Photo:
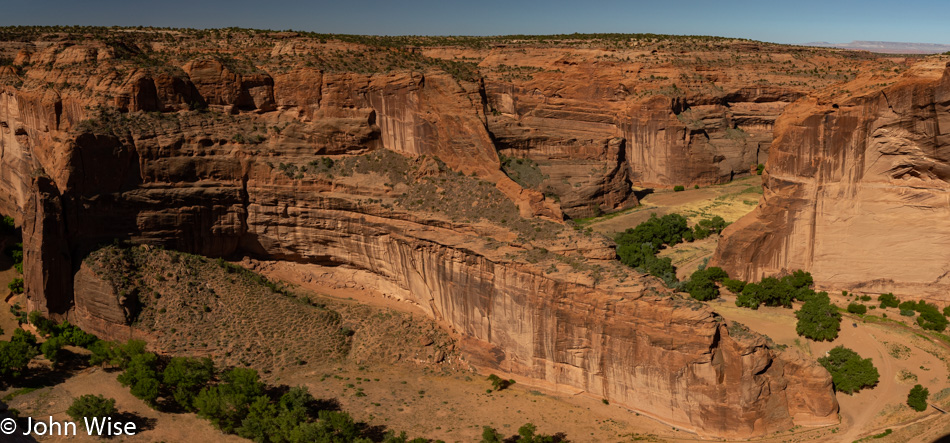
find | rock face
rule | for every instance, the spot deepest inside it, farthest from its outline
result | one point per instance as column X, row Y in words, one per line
column 856, row 192
column 217, row 158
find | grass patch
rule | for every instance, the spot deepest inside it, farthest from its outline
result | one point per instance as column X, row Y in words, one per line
column 17, row 393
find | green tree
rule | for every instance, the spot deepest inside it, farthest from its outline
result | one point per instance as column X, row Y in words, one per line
column 499, row 383
column 226, row 404
column 293, row 408
column 102, row 352
column 16, row 354
column 772, row 291
column 185, row 376
column 91, row 406
column 141, row 374
column 857, row 308
column 917, row 398
column 818, row 319
column 43, row 325
column 342, row 425
column 930, row 317
column 75, row 336
column 734, row 286
column 490, row 435
column 528, row 434
column 702, row 284
column 259, row 424
column 52, row 349
column 637, row 247
column 849, row 372
column 711, row 225
column 122, row 354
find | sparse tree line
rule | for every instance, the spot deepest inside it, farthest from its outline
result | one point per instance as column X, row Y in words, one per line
column 818, row 318
column 234, row 400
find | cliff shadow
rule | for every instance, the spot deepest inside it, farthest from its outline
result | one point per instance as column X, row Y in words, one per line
column 642, row 193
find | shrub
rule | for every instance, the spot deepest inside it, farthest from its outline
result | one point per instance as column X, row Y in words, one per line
column 888, row 300
column 710, row 226
column 16, row 285
column 931, row 318
column 91, row 406
column 908, row 312
column 849, row 372
column 907, row 306
column 759, row 168
column 679, row 188
column 818, row 319
column 865, row 298
column 490, row 435
column 499, row 383
column 917, row 398
column 857, row 308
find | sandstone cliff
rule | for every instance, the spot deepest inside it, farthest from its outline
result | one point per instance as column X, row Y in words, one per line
column 856, row 191
column 218, row 156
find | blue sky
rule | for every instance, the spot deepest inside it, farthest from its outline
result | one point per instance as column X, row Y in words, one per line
column 783, row 22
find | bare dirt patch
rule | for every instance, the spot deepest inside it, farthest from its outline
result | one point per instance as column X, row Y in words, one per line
column 157, row 426
column 902, row 356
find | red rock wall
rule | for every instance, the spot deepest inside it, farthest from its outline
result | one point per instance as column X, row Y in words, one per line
column 857, row 192
column 185, row 181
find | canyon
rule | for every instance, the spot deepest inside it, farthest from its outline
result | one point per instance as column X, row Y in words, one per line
column 388, row 157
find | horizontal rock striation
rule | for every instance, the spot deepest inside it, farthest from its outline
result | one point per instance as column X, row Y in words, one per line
column 857, row 192
column 216, row 158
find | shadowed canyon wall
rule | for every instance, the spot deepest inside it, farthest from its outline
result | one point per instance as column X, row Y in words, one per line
column 856, row 191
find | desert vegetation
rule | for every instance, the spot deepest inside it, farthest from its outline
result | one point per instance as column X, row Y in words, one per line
column 210, row 307
column 849, row 372
column 637, row 247
column 818, row 318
